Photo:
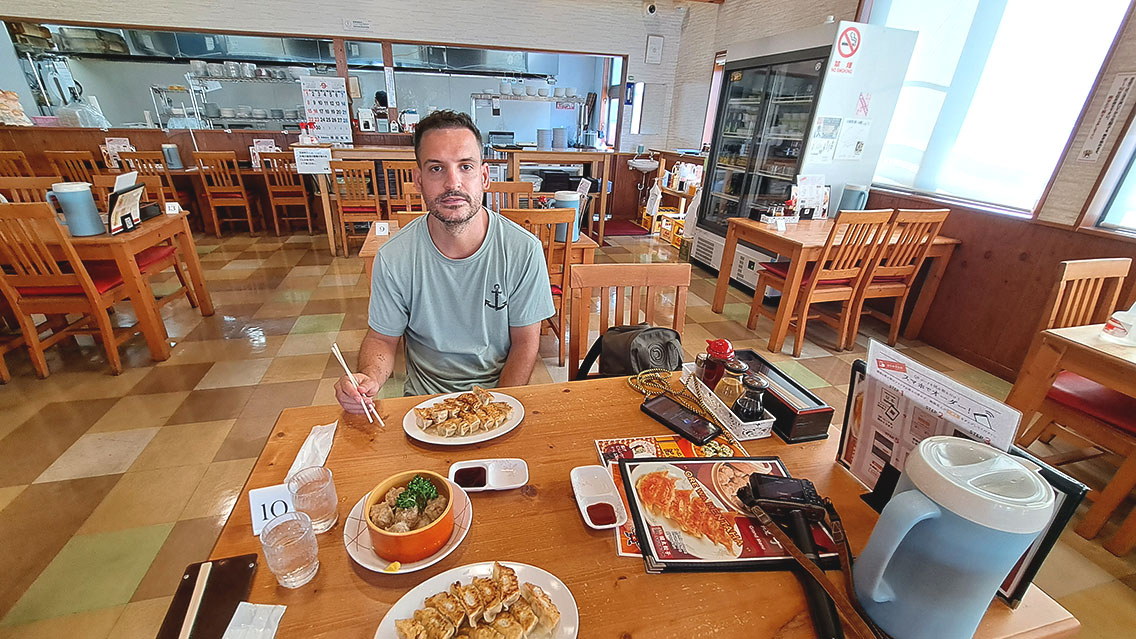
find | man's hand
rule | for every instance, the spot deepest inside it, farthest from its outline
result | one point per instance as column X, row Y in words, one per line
column 351, row 399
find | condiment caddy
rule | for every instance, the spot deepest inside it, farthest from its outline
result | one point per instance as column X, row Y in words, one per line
column 726, row 417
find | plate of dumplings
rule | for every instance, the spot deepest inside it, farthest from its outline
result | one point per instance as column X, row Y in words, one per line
column 487, row 600
column 463, row 418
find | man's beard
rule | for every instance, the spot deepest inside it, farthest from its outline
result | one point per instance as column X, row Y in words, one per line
column 462, row 218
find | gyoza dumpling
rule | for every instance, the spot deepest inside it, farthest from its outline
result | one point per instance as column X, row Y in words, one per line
column 470, row 423
column 449, row 428
column 483, row 396
column 484, row 632
column 490, row 597
column 437, row 625
column 548, row 615
column 523, row 613
column 409, row 629
column 507, row 626
column 449, row 606
column 424, row 417
column 467, row 597
column 505, row 578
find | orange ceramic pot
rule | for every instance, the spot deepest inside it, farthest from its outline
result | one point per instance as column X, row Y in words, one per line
column 415, row 545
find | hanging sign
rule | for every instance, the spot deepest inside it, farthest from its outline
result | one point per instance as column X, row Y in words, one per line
column 847, row 46
column 1110, row 115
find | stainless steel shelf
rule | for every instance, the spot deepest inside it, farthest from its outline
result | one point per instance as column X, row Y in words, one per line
column 206, row 78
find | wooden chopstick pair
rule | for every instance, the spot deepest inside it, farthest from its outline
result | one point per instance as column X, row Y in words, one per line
column 368, row 408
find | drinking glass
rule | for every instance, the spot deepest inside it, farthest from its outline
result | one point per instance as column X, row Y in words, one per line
column 290, row 549
column 313, row 493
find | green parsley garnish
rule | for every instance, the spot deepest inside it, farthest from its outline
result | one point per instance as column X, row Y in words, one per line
column 419, row 491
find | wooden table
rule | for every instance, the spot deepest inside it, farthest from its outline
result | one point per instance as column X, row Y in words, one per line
column 599, row 161
column 1080, row 350
column 372, row 243
column 123, row 247
column 539, row 524
column 802, row 243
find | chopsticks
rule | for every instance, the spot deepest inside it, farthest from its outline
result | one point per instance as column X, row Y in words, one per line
column 195, row 600
column 367, row 408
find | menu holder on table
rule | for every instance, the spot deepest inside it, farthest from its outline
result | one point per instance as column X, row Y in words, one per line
column 229, row 583
column 688, row 517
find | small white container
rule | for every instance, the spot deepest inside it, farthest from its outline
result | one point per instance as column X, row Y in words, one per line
column 593, row 485
column 542, row 92
column 500, row 474
column 530, row 90
column 570, row 92
column 558, row 92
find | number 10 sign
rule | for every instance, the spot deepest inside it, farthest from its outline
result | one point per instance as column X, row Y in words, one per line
column 267, row 504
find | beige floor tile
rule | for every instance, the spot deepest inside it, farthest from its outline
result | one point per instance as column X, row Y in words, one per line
column 146, row 498
column 325, row 393
column 307, row 271
column 218, row 489
column 338, row 293
column 140, row 411
column 1065, row 571
column 141, row 619
column 9, row 493
column 1105, row 612
column 344, row 279
column 308, row 344
column 75, row 386
column 280, row 309
column 234, row 373
column 350, row 340
column 18, row 414
column 1095, row 552
column 94, row 624
column 297, row 367
column 97, row 454
column 183, row 445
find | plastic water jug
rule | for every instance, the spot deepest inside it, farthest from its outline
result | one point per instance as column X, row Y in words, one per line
column 567, row 200
column 78, row 206
column 962, row 515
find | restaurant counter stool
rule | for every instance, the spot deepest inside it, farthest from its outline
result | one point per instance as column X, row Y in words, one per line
column 285, row 189
column 354, row 185
column 73, row 166
column 27, row 189
column 153, row 164
column 894, row 272
column 543, row 224
column 33, row 281
column 396, row 175
column 834, row 277
column 508, row 195
column 224, row 188
column 643, row 280
column 1097, row 419
column 15, row 164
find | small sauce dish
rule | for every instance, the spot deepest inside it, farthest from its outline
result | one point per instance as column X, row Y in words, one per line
column 478, row 475
column 597, row 497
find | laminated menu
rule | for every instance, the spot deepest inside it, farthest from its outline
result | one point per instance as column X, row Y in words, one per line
column 688, row 517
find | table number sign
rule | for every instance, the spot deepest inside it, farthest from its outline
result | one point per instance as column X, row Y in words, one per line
column 267, row 504
column 382, row 228
column 326, row 105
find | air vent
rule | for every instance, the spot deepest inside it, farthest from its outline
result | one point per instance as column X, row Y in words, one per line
column 703, row 251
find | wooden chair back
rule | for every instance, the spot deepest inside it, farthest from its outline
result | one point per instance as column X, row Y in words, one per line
column 31, row 243
column 543, row 223
column 508, row 195
column 397, row 173
column 74, row 166
column 406, row 217
column 15, row 164
column 613, row 280
column 149, row 163
column 411, row 199
column 27, row 189
column 860, row 235
column 354, row 184
column 103, row 186
column 280, row 172
column 1086, row 292
column 220, row 172
column 917, row 231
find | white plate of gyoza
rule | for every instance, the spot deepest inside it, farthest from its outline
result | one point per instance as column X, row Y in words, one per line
column 487, row 600
column 463, row 418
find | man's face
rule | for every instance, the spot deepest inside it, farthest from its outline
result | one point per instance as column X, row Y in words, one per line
column 451, row 176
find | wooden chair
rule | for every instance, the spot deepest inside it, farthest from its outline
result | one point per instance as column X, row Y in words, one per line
column 895, row 271
column 833, row 278
column 153, row 163
column 1097, row 419
column 406, row 217
column 543, row 223
column 27, row 189
column 74, row 166
column 35, row 280
column 410, row 201
column 224, row 187
column 15, row 164
column 508, row 195
column 397, row 174
column 612, row 279
column 355, row 188
column 285, row 189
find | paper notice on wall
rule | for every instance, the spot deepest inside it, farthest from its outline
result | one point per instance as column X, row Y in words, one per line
column 853, row 138
column 822, row 142
column 312, row 160
column 1109, row 117
column 325, row 105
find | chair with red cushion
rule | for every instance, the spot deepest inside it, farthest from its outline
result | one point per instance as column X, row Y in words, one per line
column 285, row 190
column 356, row 193
column 153, row 164
column 851, row 247
column 224, row 188
column 897, row 267
column 40, row 272
column 543, row 223
column 1098, row 420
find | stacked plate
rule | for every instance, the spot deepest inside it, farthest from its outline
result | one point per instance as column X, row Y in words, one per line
column 259, row 114
column 291, row 114
column 244, row 111
column 276, row 114
column 228, row 112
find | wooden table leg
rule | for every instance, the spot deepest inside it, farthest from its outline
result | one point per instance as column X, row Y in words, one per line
column 788, row 301
column 1117, row 489
column 927, row 294
column 603, row 198
column 149, row 319
column 725, row 267
column 1038, row 373
column 188, row 250
column 324, row 185
column 1122, row 542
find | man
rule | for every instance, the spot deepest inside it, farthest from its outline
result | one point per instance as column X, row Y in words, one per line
column 466, row 287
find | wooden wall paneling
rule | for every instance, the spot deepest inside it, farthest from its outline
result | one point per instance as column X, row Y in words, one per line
column 624, row 201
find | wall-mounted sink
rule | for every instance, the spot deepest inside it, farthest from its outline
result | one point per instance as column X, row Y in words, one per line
column 646, row 165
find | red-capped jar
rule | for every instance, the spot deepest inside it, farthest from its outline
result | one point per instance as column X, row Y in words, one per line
column 718, row 352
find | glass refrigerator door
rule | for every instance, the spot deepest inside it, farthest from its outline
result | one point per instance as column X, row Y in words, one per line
column 793, row 87
column 739, row 117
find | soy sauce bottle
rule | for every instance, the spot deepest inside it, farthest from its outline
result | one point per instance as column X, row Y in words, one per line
column 750, row 406
column 718, row 352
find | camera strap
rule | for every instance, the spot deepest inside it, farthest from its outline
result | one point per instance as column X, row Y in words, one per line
column 857, row 624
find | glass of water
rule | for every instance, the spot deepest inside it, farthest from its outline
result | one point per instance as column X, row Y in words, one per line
column 290, row 549
column 313, row 493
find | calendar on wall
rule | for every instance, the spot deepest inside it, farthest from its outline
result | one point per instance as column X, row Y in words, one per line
column 325, row 105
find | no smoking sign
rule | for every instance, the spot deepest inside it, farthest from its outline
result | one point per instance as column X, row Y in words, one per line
column 847, row 48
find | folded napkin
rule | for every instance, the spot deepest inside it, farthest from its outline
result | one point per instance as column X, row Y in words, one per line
column 254, row 621
column 315, row 449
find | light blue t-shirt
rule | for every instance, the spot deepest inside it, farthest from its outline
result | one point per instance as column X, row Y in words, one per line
column 456, row 314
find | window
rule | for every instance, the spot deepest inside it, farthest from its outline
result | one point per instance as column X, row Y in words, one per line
column 1114, row 205
column 992, row 92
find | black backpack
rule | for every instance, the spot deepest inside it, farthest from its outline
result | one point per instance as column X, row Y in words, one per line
column 628, row 350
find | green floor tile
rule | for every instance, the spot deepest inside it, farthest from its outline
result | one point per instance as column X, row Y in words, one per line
column 736, row 312
column 328, row 323
column 291, row 295
column 802, row 375
column 91, row 572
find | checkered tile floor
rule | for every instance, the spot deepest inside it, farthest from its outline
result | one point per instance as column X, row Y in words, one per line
column 110, row 485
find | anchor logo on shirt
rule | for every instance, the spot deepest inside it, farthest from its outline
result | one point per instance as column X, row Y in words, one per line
column 497, row 303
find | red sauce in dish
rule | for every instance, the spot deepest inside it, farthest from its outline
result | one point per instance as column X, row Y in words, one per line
column 601, row 514
column 471, row 477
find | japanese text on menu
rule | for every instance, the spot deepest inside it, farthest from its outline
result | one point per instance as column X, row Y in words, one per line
column 325, row 105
